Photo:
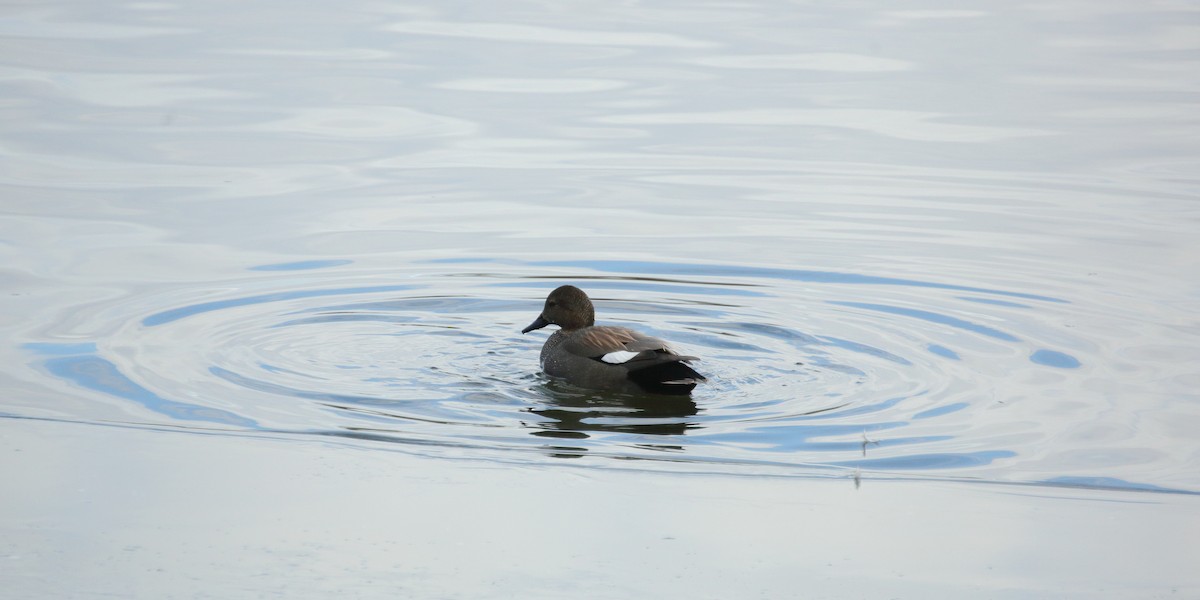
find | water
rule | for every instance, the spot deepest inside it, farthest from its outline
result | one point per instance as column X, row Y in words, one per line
column 933, row 259
column 803, row 373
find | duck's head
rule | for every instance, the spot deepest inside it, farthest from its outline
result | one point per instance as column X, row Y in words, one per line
column 568, row 307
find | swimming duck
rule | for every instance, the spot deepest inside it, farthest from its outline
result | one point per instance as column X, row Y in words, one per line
column 607, row 357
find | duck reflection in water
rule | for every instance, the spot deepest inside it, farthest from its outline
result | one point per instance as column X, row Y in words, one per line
column 574, row 412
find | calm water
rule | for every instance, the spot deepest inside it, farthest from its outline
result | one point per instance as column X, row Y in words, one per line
column 915, row 246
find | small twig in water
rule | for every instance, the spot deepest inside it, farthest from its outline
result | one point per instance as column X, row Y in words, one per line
column 865, row 441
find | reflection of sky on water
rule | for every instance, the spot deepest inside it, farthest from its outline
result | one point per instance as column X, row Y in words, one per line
column 78, row 364
column 1011, row 542
column 170, row 315
column 714, row 270
column 302, row 265
column 933, row 317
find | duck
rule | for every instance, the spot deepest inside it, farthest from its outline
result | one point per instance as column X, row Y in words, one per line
column 607, row 357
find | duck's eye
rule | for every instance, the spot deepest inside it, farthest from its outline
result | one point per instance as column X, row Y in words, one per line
column 551, row 304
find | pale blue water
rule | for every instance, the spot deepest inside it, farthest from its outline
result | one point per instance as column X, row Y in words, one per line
column 912, row 244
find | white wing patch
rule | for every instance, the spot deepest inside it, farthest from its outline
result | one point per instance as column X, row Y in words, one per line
column 618, row 357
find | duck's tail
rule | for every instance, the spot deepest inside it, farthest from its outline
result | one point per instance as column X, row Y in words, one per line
column 673, row 377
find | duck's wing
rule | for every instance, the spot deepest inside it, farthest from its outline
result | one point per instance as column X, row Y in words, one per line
column 597, row 341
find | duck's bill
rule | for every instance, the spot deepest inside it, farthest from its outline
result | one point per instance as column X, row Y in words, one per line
column 537, row 324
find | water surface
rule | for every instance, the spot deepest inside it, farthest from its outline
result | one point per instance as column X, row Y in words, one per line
column 913, row 246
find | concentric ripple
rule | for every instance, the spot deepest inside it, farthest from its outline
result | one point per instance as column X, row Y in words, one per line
column 804, row 373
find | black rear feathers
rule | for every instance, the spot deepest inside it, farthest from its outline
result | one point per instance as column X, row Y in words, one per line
column 673, row 377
